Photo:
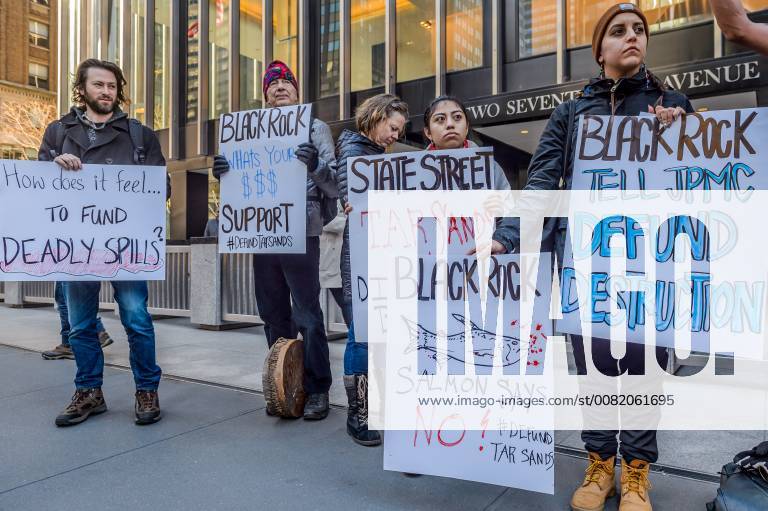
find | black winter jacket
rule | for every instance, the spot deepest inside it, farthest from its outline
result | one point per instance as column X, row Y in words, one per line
column 628, row 96
column 112, row 146
column 349, row 145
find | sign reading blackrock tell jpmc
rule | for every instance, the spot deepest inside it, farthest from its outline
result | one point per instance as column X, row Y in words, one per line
column 663, row 263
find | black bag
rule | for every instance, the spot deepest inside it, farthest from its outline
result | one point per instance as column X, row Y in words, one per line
column 740, row 490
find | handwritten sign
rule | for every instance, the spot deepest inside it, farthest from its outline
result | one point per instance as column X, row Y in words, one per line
column 104, row 222
column 462, row 169
column 264, row 195
column 483, row 332
column 517, row 458
column 482, row 323
column 481, row 315
column 633, row 155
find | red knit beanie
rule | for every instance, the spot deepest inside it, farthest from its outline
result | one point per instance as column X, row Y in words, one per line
column 276, row 70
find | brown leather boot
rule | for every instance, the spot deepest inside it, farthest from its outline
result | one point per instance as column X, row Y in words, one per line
column 58, row 353
column 599, row 484
column 635, row 486
column 85, row 402
column 147, row 407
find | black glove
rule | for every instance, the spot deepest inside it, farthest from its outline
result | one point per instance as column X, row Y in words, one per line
column 307, row 153
column 220, row 166
column 755, row 460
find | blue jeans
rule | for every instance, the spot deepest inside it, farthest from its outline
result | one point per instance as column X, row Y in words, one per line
column 355, row 354
column 131, row 298
column 61, row 306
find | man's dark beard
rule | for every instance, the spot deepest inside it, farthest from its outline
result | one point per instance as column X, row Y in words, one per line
column 98, row 108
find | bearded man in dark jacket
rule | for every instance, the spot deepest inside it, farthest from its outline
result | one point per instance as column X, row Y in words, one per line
column 97, row 131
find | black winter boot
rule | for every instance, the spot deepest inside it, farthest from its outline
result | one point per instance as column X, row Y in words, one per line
column 357, row 413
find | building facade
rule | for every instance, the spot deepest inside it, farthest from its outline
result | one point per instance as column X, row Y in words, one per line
column 512, row 61
column 28, row 62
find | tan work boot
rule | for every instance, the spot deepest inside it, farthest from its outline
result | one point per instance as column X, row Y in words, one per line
column 635, row 486
column 599, row 484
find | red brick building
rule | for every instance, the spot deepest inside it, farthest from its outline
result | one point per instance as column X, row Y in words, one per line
column 28, row 71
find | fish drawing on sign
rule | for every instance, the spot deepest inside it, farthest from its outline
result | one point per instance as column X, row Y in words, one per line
column 484, row 341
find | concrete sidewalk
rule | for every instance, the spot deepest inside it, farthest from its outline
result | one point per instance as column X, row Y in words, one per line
column 216, row 449
column 235, row 358
column 231, row 357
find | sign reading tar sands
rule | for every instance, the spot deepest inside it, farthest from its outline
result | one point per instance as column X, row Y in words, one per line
column 702, row 78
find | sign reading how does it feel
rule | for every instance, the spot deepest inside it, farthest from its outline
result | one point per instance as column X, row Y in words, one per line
column 104, row 222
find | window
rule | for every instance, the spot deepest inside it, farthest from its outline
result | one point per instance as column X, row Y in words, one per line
column 162, row 76
column 115, row 37
column 193, row 59
column 673, row 13
column 251, row 60
column 138, row 51
column 38, row 75
column 464, row 35
column 285, row 40
column 582, row 15
column 329, row 47
column 76, row 23
column 755, row 5
column 38, row 34
column 415, row 39
column 218, row 36
column 537, row 27
column 367, row 48
column 12, row 153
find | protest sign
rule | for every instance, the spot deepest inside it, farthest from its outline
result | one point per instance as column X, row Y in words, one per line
column 104, row 222
column 460, row 169
column 443, row 244
column 264, row 195
column 517, row 458
column 482, row 332
column 634, row 155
